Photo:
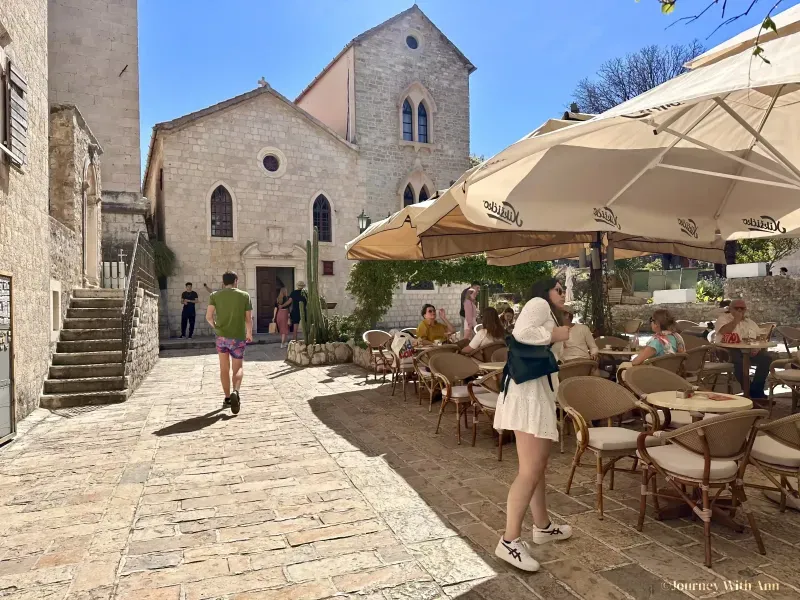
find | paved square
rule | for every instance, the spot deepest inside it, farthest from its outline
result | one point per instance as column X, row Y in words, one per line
column 324, row 487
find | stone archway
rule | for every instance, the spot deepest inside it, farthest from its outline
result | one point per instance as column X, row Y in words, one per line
column 91, row 224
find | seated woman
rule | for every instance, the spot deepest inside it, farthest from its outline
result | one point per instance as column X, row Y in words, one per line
column 581, row 344
column 508, row 319
column 492, row 332
column 664, row 341
column 430, row 330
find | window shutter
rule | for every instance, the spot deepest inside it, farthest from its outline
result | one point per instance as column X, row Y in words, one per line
column 16, row 115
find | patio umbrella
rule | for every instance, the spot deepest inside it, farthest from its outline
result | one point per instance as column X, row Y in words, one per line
column 709, row 155
column 393, row 238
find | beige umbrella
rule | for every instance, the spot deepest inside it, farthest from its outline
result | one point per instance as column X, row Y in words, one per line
column 393, row 238
column 709, row 155
column 786, row 22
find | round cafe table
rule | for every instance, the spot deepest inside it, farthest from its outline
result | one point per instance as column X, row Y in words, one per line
column 746, row 348
column 619, row 353
column 698, row 403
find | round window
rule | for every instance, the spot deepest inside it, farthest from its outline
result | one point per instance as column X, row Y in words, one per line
column 271, row 163
column 412, row 42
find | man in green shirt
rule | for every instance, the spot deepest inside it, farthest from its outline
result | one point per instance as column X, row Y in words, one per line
column 230, row 313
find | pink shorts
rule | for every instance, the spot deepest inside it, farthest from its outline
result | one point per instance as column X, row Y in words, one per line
column 231, row 346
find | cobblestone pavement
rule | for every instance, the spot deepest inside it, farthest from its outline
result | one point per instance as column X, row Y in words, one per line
column 324, row 487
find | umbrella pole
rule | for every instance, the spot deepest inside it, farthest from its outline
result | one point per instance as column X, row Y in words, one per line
column 597, row 286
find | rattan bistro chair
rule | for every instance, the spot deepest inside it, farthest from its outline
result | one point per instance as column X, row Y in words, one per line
column 573, row 368
column 614, row 342
column 377, row 342
column 485, row 354
column 452, row 370
column 776, row 453
column 403, row 369
column 632, row 327
column 587, row 399
column 484, row 393
column 789, row 375
column 790, row 337
column 500, row 355
column 428, row 383
column 645, row 379
column 710, row 455
column 669, row 362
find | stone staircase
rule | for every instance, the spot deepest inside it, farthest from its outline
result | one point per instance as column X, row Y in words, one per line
column 87, row 366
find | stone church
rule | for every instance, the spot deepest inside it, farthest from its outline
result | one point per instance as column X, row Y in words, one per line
column 240, row 185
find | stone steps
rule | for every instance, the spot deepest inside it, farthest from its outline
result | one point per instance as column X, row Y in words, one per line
column 76, row 335
column 84, row 384
column 87, row 358
column 113, row 323
column 111, row 369
column 87, row 368
column 52, row 401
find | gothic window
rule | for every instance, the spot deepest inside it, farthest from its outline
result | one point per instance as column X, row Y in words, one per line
column 408, row 124
column 423, row 194
column 322, row 218
column 221, row 213
column 408, row 196
column 422, row 124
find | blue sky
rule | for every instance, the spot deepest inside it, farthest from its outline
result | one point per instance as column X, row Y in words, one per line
column 529, row 53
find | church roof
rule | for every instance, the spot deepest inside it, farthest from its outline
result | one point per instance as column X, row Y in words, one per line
column 369, row 32
column 195, row 116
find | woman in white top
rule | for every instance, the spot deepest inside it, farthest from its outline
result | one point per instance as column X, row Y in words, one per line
column 492, row 332
column 581, row 344
column 529, row 409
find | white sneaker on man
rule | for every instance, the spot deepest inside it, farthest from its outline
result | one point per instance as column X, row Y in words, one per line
column 552, row 533
column 516, row 553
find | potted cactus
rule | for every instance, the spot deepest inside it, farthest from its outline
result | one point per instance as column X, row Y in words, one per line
column 313, row 318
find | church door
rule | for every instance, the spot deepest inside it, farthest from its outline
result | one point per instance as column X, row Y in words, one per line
column 267, row 293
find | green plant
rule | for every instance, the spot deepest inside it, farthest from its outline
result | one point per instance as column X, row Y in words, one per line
column 164, row 259
column 767, row 251
column 710, row 290
column 314, row 321
column 372, row 283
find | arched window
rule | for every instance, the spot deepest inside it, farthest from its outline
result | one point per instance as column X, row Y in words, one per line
column 408, row 122
column 221, row 213
column 423, row 194
column 408, row 196
column 422, row 124
column 322, row 218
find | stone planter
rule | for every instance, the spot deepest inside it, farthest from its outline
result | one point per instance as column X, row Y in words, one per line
column 332, row 353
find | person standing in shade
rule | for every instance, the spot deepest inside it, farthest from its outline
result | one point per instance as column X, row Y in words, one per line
column 230, row 314
column 469, row 309
column 297, row 296
column 188, row 299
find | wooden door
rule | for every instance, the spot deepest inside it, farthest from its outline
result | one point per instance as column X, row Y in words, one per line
column 267, row 292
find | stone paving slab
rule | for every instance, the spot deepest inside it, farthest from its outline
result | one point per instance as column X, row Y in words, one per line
column 326, row 487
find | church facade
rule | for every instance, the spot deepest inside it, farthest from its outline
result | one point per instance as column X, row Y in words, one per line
column 241, row 185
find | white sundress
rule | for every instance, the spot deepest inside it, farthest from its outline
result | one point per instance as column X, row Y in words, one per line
column 531, row 406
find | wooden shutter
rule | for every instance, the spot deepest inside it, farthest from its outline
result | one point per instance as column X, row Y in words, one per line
column 16, row 114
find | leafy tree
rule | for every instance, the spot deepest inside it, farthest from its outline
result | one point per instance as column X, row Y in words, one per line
column 475, row 160
column 622, row 78
column 372, row 283
column 767, row 251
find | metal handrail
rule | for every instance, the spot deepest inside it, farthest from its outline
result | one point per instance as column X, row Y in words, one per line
column 140, row 274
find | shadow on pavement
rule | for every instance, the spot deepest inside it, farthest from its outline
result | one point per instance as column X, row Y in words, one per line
column 195, row 423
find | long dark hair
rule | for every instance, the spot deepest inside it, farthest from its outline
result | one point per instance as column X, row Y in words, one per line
column 491, row 323
column 541, row 289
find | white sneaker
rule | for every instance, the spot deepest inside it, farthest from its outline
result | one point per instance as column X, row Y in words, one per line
column 516, row 553
column 551, row 534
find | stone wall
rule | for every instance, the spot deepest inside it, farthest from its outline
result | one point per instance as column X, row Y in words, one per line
column 24, row 218
column 94, row 64
column 769, row 299
column 407, row 306
column 333, row 353
column 65, row 264
column 143, row 350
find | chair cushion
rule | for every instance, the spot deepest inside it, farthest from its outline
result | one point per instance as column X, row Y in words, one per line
column 425, row 371
column 487, row 399
column 791, row 375
column 459, row 392
column 615, row 438
column 769, row 450
column 675, row 459
column 679, row 418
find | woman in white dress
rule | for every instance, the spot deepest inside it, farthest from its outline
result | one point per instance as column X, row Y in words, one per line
column 529, row 409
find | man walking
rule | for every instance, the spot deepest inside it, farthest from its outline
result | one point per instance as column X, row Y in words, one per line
column 188, row 299
column 230, row 314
